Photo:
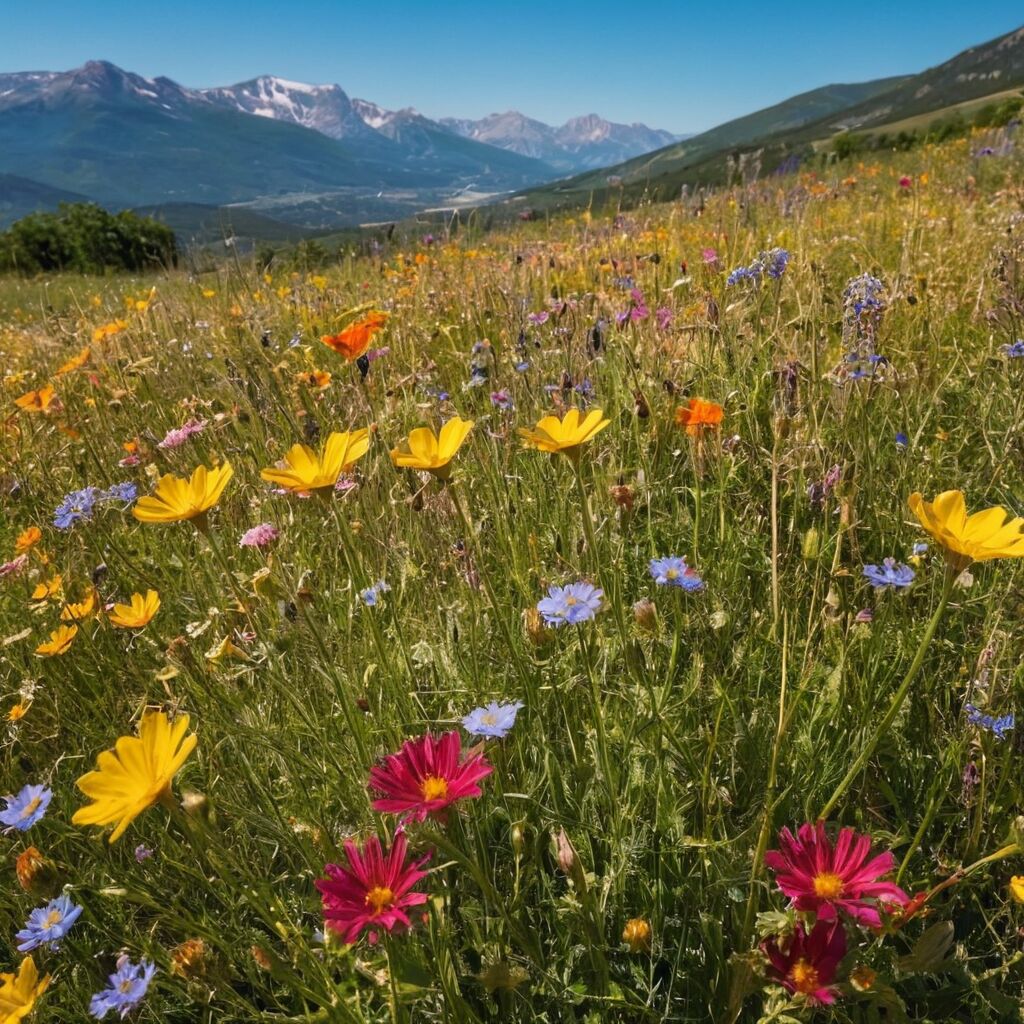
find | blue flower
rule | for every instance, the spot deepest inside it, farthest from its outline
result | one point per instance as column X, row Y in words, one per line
column 128, row 986
column 46, row 926
column 578, row 602
column 1016, row 350
column 889, row 575
column 674, row 572
column 25, row 809
column 772, row 262
column 371, row 595
column 999, row 727
column 76, row 507
column 901, row 441
column 126, row 493
column 920, row 549
column 493, row 720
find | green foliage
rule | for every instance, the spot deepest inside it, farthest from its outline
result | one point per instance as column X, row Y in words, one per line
column 86, row 239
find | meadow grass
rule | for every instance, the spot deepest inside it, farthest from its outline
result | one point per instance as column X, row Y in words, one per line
column 669, row 743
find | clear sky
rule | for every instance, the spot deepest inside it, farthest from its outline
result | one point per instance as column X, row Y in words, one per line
column 683, row 66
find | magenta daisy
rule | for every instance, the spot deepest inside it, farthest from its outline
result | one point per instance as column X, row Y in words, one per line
column 807, row 964
column 374, row 891
column 426, row 776
column 826, row 879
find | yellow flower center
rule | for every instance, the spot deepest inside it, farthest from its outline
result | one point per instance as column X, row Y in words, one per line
column 488, row 719
column 827, row 885
column 53, row 918
column 31, row 807
column 804, row 977
column 125, row 986
column 672, row 574
column 434, row 788
column 379, row 898
column 570, row 601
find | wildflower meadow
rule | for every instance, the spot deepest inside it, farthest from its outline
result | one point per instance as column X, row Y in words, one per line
column 611, row 616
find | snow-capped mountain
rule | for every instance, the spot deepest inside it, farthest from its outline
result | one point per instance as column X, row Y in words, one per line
column 324, row 108
column 581, row 143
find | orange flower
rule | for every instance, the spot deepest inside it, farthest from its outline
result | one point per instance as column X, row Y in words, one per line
column 105, row 331
column 74, row 362
column 355, row 339
column 37, row 401
column 28, row 538
column 699, row 413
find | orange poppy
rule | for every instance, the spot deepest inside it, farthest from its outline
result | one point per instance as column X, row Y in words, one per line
column 37, row 401
column 355, row 339
column 699, row 413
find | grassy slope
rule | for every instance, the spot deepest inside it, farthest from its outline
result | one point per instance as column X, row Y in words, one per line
column 665, row 755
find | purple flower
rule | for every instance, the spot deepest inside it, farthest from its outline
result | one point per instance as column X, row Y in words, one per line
column 142, row 853
column 674, row 572
column 575, row 603
column 494, row 720
column 663, row 317
column 502, row 399
column 890, row 575
column 1014, row 351
column 25, row 809
column 128, row 986
column 539, row 318
column 14, row 567
column 864, row 615
column 259, row 536
column 46, row 926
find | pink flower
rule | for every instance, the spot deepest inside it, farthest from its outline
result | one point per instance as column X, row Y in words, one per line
column 824, row 879
column 176, row 438
column 129, row 460
column 663, row 315
column 709, row 255
column 259, row 536
column 14, row 567
column 373, row 891
column 806, row 965
column 905, row 182
column 426, row 776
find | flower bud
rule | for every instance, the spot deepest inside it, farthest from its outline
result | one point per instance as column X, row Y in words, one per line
column 645, row 614
column 537, row 632
column 637, row 935
column 188, row 959
column 863, row 978
column 37, row 874
column 811, row 547
column 518, row 839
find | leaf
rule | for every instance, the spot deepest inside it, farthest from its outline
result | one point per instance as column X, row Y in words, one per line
column 929, row 951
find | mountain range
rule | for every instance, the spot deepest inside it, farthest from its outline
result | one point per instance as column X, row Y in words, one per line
column 274, row 158
column 125, row 140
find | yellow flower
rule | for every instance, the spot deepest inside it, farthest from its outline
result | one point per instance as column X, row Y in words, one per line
column 176, row 499
column 966, row 539
column 51, row 588
column 307, row 471
column 423, row 450
column 18, row 711
column 137, row 613
column 1016, row 888
column 80, row 611
column 18, row 994
column 564, row 435
column 136, row 773
column 28, row 538
column 59, row 643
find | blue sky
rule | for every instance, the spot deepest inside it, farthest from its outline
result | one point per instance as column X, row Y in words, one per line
column 683, row 66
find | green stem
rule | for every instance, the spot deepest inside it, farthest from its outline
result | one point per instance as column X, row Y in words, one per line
column 898, row 700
